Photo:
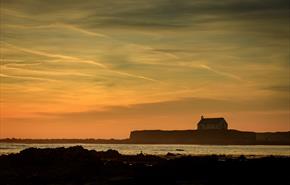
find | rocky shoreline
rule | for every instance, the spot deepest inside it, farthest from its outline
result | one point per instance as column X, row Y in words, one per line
column 76, row 165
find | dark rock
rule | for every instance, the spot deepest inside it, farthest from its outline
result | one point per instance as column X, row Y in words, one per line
column 76, row 165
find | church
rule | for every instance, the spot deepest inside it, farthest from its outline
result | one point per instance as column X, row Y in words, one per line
column 212, row 124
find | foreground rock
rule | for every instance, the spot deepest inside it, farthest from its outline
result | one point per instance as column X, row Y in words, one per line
column 75, row 165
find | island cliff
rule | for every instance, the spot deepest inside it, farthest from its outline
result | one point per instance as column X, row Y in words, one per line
column 209, row 131
column 219, row 137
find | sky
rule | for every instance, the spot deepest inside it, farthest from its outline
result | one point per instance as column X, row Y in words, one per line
column 101, row 68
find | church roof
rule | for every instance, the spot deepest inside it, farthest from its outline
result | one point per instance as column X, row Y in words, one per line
column 211, row 120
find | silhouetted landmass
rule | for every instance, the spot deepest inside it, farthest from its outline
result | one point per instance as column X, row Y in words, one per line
column 76, row 165
column 213, row 137
column 219, row 137
column 72, row 141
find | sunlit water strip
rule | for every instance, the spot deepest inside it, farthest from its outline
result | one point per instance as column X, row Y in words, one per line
column 260, row 150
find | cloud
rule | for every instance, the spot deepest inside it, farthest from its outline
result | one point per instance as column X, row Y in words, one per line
column 24, row 78
column 58, row 25
column 181, row 14
column 235, row 77
column 153, row 14
column 278, row 88
column 58, row 56
column 181, row 107
column 46, row 72
column 67, row 58
column 135, row 76
column 185, row 105
column 105, row 52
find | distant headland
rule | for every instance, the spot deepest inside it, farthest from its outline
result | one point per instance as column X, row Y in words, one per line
column 213, row 131
column 210, row 131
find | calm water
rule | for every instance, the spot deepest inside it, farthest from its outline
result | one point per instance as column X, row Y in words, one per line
column 7, row 148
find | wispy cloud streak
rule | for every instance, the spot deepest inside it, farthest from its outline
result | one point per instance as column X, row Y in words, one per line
column 58, row 25
column 79, row 60
column 26, row 78
column 232, row 76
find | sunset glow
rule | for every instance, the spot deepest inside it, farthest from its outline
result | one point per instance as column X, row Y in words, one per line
column 101, row 68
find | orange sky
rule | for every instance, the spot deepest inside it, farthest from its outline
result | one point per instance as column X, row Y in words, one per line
column 101, row 68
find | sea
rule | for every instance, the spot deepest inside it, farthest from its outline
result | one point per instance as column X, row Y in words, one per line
column 163, row 149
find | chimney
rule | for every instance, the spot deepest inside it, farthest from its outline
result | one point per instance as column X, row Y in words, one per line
column 202, row 117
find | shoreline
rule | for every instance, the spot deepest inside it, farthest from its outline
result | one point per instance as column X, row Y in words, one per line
column 161, row 149
column 76, row 165
column 72, row 141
